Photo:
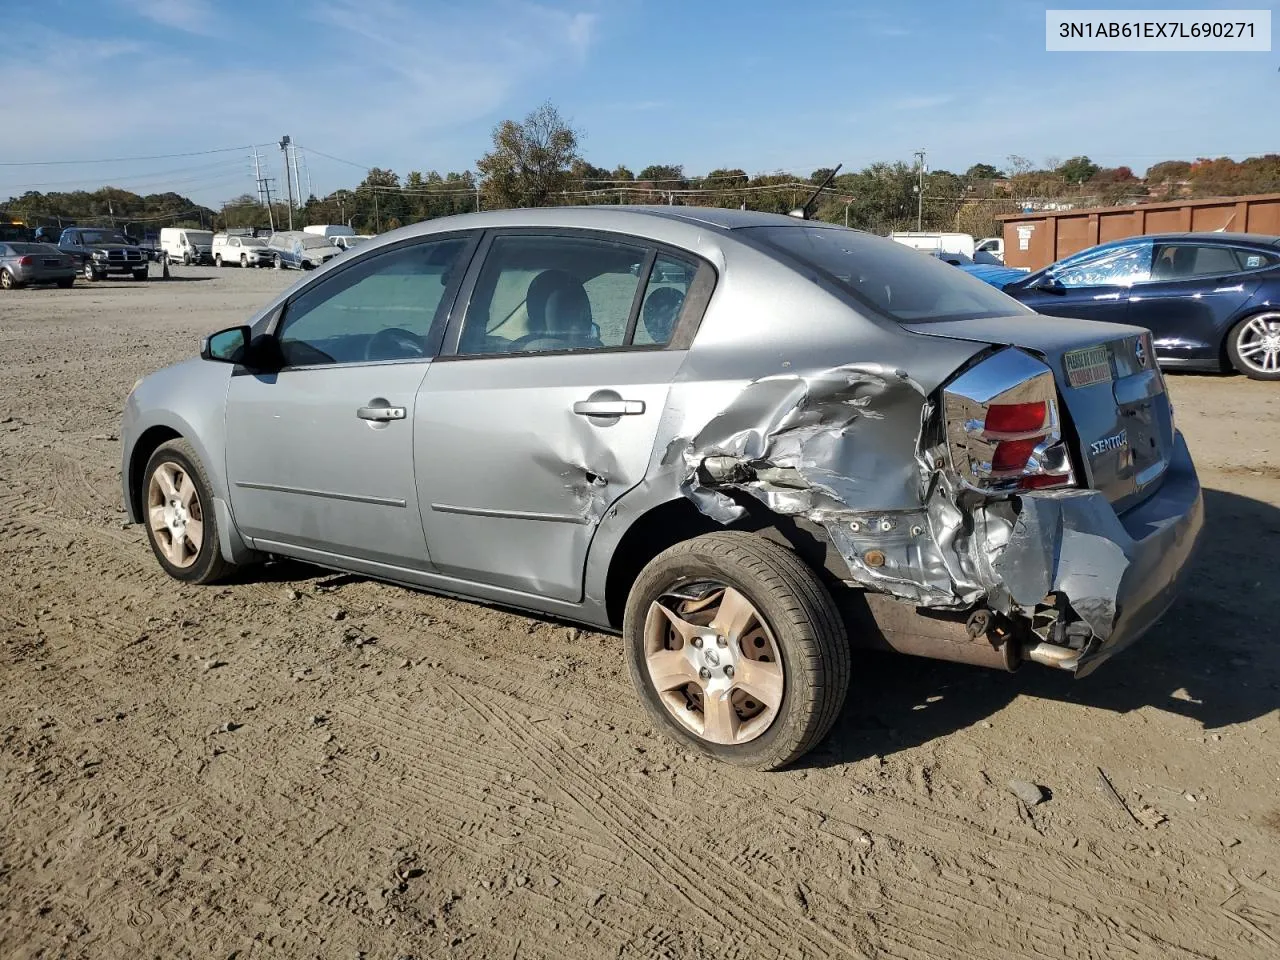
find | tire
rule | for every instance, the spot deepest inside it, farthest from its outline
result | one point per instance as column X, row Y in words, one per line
column 66, row 283
column 1248, row 343
column 177, row 461
column 793, row 615
column 7, row 281
column 217, row 260
column 244, row 260
column 90, row 274
column 140, row 274
column 186, row 259
column 276, row 262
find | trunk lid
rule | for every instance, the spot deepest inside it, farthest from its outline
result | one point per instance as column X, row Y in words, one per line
column 1110, row 385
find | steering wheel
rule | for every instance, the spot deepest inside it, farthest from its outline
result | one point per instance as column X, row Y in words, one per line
column 393, row 343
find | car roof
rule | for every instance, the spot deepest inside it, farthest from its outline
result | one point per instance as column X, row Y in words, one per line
column 1203, row 236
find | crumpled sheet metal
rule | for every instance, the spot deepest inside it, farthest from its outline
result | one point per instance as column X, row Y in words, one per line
column 842, row 447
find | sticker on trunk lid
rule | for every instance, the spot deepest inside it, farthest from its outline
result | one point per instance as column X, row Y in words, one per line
column 1088, row 366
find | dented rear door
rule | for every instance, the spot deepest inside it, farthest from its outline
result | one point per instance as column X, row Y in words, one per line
column 513, row 480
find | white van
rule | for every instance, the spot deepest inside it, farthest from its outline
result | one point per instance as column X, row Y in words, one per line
column 329, row 230
column 936, row 243
column 181, row 245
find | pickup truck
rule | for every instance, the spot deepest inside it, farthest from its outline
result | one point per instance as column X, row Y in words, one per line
column 100, row 251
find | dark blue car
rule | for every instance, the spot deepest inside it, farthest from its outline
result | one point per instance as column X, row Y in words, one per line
column 1210, row 300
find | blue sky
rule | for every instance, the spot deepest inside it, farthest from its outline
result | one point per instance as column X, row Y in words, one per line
column 419, row 84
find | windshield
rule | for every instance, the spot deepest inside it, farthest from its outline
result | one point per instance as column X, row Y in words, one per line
column 252, row 242
column 353, row 241
column 199, row 236
column 102, row 236
column 311, row 241
column 888, row 277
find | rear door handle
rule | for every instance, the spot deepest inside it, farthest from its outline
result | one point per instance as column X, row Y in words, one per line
column 381, row 414
column 608, row 408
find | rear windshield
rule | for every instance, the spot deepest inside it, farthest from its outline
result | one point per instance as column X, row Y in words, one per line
column 29, row 247
column 893, row 279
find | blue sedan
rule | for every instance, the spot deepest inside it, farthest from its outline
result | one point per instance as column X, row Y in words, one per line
column 1210, row 300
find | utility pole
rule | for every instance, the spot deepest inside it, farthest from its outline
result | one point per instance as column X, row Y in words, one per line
column 284, row 149
column 257, row 174
column 297, row 181
column 264, row 185
column 377, row 219
column 920, row 190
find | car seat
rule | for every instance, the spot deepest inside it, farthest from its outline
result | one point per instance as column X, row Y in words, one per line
column 559, row 314
column 661, row 311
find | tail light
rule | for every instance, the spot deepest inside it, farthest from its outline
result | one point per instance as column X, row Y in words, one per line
column 26, row 261
column 1002, row 425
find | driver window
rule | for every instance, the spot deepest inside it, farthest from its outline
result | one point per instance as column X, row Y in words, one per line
column 386, row 307
column 1121, row 267
column 538, row 294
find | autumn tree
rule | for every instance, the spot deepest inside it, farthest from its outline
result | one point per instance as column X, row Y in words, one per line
column 530, row 160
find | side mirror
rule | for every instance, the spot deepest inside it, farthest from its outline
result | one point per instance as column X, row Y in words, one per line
column 226, row 346
column 1049, row 284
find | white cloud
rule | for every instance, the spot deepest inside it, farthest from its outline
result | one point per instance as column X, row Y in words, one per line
column 407, row 81
column 190, row 16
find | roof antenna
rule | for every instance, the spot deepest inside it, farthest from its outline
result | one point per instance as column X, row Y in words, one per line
column 803, row 212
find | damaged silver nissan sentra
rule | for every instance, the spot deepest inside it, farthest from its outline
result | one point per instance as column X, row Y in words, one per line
column 750, row 443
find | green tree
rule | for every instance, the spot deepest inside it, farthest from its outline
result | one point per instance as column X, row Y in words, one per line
column 1077, row 169
column 983, row 171
column 530, row 161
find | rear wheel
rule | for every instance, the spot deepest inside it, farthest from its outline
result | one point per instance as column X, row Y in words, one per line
column 8, row 281
column 182, row 526
column 1254, row 346
column 737, row 649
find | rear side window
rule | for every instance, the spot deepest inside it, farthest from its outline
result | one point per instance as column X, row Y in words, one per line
column 890, row 278
column 1184, row 261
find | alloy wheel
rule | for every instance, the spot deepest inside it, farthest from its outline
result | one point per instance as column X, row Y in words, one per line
column 1258, row 343
column 175, row 514
column 714, row 662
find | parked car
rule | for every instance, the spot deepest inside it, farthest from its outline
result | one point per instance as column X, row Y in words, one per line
column 746, row 442
column 989, row 250
column 298, row 250
column 100, row 251
column 330, row 231
column 25, row 263
column 246, row 251
column 187, row 246
column 347, row 243
column 1211, row 300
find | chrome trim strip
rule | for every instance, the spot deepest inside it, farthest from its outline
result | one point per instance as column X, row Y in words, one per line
column 327, row 495
column 508, row 514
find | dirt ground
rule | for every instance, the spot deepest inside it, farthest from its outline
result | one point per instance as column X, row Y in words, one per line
column 310, row 765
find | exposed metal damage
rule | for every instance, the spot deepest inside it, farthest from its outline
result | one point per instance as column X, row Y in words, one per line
column 858, row 450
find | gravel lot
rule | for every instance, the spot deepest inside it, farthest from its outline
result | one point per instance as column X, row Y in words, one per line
column 310, row 765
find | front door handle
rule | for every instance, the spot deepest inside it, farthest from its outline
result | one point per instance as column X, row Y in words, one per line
column 608, row 408
column 381, row 414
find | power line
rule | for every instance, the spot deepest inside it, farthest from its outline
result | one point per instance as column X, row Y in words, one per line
column 329, row 156
column 158, row 156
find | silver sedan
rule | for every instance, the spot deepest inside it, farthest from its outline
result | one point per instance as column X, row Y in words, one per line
column 750, row 444
column 26, row 263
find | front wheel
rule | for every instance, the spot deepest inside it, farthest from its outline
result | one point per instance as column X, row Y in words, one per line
column 276, row 262
column 89, row 273
column 1254, row 346
column 217, row 260
column 736, row 648
column 182, row 526
column 186, row 259
column 244, row 261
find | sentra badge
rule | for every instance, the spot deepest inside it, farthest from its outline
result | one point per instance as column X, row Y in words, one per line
column 1117, row 441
